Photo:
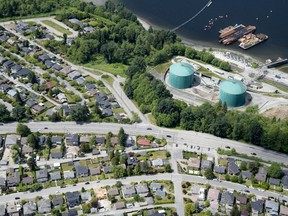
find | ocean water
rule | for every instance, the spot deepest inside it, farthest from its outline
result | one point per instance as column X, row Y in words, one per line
column 269, row 16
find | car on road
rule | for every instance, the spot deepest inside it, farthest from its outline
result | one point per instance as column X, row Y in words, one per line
column 149, row 128
column 228, row 147
column 208, row 149
column 57, row 192
column 169, row 136
column 74, row 184
column 17, row 198
column 247, row 191
column 1, row 124
column 198, row 147
column 45, row 127
column 191, row 146
column 129, row 205
column 253, row 153
column 86, row 183
column 176, row 145
column 97, row 181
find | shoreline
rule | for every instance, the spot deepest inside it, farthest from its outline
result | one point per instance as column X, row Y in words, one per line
column 191, row 43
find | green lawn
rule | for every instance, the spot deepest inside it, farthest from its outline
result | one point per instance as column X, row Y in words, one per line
column 162, row 68
column 108, row 79
column 83, row 163
column 118, row 110
column 187, row 155
column 154, row 155
column 208, row 73
column 65, row 167
column 57, row 27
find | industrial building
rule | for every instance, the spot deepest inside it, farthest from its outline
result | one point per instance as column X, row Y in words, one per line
column 181, row 75
column 233, row 93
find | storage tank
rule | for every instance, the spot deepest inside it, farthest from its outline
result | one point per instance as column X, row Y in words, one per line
column 232, row 92
column 181, row 75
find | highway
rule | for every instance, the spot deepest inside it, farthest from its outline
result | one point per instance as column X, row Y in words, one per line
column 177, row 136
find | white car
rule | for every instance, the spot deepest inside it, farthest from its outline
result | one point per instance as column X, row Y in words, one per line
column 57, row 192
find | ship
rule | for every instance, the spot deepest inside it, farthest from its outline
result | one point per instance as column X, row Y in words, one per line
column 276, row 63
column 229, row 30
column 240, row 31
column 250, row 40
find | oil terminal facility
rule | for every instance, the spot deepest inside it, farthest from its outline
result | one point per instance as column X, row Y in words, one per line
column 181, row 75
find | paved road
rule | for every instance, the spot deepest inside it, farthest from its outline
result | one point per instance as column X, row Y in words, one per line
column 179, row 136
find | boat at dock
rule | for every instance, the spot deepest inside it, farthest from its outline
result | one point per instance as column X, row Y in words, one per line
column 250, row 40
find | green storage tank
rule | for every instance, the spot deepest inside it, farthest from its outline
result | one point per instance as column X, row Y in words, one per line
column 233, row 92
column 181, row 75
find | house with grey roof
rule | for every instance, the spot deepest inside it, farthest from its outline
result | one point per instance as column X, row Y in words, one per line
column 82, row 171
column 54, row 176
column 29, row 209
column 11, row 140
column 100, row 140
column 257, row 206
column 113, row 192
column 57, row 67
column 233, row 168
column 128, row 191
column 285, row 182
column 271, row 207
column 12, row 209
column 86, row 196
column 74, row 75
column 61, row 97
column 274, row 182
column 27, row 150
column 106, row 169
column 95, row 151
column 44, row 206
column 160, row 193
column 73, row 198
column 42, row 140
column 31, row 102
column 13, row 179
column 88, row 29
column 23, row 72
column 132, row 161
column 205, row 164
column 80, row 80
column 227, row 198
column 220, row 169
column 27, row 180
column 120, row 205
column 57, row 201
column 2, row 183
column 42, row 175
column 246, row 174
column 261, row 175
column 72, row 139
column 157, row 162
column 56, row 140
column 142, row 189
column 156, row 186
column 56, row 155
column 69, row 174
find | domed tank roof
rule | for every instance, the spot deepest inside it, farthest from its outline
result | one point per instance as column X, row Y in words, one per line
column 181, row 69
column 234, row 87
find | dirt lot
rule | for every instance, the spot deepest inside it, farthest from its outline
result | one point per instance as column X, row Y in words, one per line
column 278, row 112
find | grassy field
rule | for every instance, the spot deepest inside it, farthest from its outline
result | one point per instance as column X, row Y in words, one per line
column 118, row 110
column 65, row 167
column 108, row 79
column 187, row 155
column 162, row 68
column 208, row 73
column 57, row 27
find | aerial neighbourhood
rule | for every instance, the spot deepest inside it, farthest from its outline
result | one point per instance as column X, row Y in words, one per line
column 99, row 115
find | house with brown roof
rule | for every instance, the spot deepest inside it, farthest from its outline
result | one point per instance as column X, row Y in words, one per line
column 95, row 171
column 283, row 210
column 49, row 85
column 194, row 163
column 241, row 199
column 213, row 195
column 261, row 175
column 114, row 140
column 144, row 142
column 113, row 192
column 27, row 180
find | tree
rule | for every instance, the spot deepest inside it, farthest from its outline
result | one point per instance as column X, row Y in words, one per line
column 85, row 147
column 17, row 154
column 119, row 172
column 55, row 117
column 235, row 211
column 32, row 163
column 18, row 98
column 121, row 137
column 32, row 78
column 86, row 207
column 243, row 165
column 49, row 142
column 4, row 113
column 18, row 112
column 168, row 168
column 63, row 148
column 80, row 112
column 137, row 170
column 240, row 179
column 118, row 184
column 33, row 141
column 189, row 209
column 23, row 130
column 112, row 199
column 275, row 170
column 123, row 158
column 209, row 173
column 64, row 38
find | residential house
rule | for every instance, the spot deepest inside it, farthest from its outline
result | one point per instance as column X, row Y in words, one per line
column 3, row 210
column 213, row 195
column 27, row 150
column 12, row 93
column 49, row 63
column 106, row 169
column 129, row 141
column 66, row 70
column 227, row 198
column 198, row 192
column 44, row 57
column 30, row 102
column 88, row 29
column 80, row 80
column 61, row 97
column 74, row 75
column 156, row 186
column 220, row 169
column 160, row 193
column 2, row 183
column 257, row 206
column 274, row 182
column 144, row 142
column 57, row 67
column 107, row 112
column 27, row 180
column 89, row 86
column 56, row 140
column 16, row 68
column 50, row 112
column 285, row 182
column 57, row 201
column 241, row 199
column 77, row 22
column 95, row 151
column 56, row 155
column 95, row 171
column 38, row 108
column 113, row 192
column 128, row 191
column 8, row 64
column 142, row 189
column 82, row 171
column 42, row 175
column 44, row 206
column 271, row 207
column 72, row 212
column 13, row 179
column 5, row 88
column 261, row 175
column 29, row 209
column 73, row 198
column 4, row 38
column 13, row 210
column 233, row 168
column 86, row 196
column 100, row 140
column 205, row 164
column 54, row 176
column 23, row 72
column 120, row 205
column 194, row 163
column 69, row 174
column 132, row 161
column 114, row 140
column 11, row 140
column 283, row 210
column 85, row 139
column 49, row 85
column 42, row 140
column 246, row 175
column 72, row 139
column 157, row 162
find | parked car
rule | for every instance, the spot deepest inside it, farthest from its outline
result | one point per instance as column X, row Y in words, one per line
column 16, row 198
column 149, row 128
column 169, row 136
column 86, row 183
column 253, row 153
column 228, row 147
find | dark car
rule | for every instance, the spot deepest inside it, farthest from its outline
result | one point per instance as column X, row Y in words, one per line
column 176, row 145
column 247, row 191
column 228, row 147
column 253, row 153
column 149, row 128
column 74, row 184
column 16, row 198
column 86, row 183
column 169, row 136
column 45, row 127
column 62, row 186
column 1, row 124
column 198, row 147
